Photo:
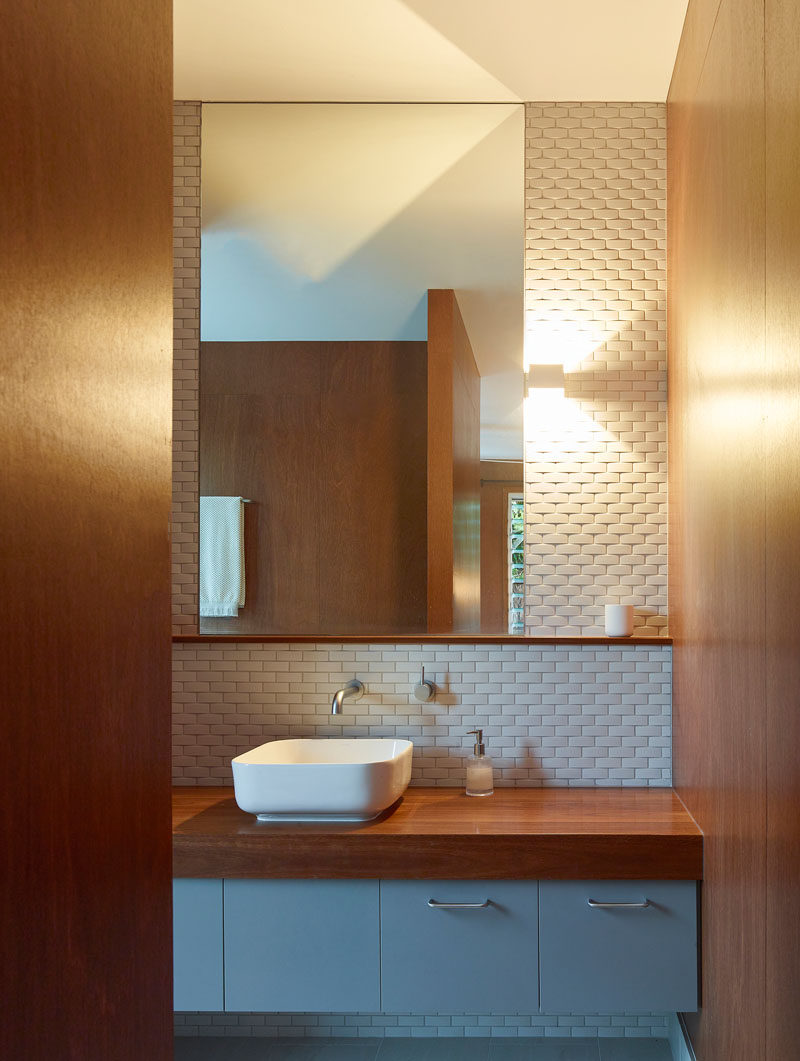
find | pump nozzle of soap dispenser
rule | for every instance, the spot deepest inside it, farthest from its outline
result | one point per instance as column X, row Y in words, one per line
column 480, row 747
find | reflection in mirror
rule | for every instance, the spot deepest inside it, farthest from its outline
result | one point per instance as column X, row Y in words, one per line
column 361, row 363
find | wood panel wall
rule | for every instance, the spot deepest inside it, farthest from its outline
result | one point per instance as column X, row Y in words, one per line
column 453, row 470
column 85, row 414
column 734, row 465
column 328, row 441
column 782, row 65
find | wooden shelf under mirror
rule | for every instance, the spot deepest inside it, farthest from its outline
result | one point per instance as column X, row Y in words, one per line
column 419, row 639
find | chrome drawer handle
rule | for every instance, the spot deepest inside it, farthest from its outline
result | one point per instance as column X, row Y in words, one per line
column 618, row 906
column 436, row 905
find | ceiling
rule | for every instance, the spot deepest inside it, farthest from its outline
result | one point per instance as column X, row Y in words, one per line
column 425, row 50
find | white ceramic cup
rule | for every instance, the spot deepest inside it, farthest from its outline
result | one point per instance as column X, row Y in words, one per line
column 619, row 620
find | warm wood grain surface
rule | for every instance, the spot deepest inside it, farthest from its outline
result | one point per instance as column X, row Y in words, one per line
column 85, row 425
column 782, row 523
column 453, row 470
column 423, row 639
column 259, row 402
column 441, row 833
column 371, row 518
column 466, row 481
column 697, row 29
column 328, row 441
column 717, row 391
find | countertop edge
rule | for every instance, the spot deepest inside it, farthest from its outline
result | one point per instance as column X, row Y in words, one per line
column 566, row 853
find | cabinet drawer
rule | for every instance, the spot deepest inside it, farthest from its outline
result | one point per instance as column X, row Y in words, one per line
column 612, row 959
column 479, row 958
column 301, row 945
column 197, row 944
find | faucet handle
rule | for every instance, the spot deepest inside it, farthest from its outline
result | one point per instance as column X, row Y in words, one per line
column 424, row 691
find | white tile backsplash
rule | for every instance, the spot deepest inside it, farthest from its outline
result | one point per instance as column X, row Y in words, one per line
column 551, row 714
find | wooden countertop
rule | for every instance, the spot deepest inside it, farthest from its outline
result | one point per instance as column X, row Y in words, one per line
column 439, row 833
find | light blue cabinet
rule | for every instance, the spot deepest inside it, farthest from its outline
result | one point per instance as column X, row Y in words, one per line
column 459, row 946
column 197, row 944
column 426, row 946
column 603, row 951
column 301, row 945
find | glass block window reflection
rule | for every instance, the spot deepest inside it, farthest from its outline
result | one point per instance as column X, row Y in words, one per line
column 516, row 564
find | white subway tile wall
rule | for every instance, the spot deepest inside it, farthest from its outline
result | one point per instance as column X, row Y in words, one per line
column 422, row 1025
column 551, row 715
column 595, row 294
column 186, row 352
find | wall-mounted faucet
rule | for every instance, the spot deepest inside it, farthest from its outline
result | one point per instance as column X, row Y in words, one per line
column 354, row 690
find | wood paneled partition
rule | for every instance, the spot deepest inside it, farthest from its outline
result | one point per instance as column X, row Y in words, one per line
column 734, row 326
column 328, row 442
column 361, row 463
column 782, row 34
column 85, row 414
column 454, row 546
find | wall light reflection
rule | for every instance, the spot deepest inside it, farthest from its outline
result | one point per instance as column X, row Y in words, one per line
column 566, row 341
column 557, row 427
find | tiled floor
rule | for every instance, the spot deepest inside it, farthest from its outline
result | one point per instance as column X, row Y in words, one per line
column 433, row 1049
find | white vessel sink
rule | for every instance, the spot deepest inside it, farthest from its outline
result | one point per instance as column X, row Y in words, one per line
column 322, row 779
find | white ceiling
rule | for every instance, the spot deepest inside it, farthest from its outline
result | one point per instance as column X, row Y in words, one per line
column 425, row 50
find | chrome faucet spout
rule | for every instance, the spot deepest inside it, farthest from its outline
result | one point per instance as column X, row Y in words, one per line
column 354, row 690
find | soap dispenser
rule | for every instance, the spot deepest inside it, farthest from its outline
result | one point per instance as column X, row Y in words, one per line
column 480, row 780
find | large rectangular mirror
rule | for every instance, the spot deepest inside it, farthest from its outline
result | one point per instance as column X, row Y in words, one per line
column 361, row 367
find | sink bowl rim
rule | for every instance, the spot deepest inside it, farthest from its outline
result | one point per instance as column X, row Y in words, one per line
column 383, row 750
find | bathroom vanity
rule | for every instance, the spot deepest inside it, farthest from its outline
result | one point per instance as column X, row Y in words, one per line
column 531, row 900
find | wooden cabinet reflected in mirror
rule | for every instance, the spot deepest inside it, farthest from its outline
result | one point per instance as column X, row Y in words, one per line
column 370, row 512
column 329, row 442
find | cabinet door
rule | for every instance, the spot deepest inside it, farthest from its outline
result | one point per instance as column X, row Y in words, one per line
column 459, row 946
column 197, row 944
column 610, row 958
column 301, row 945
